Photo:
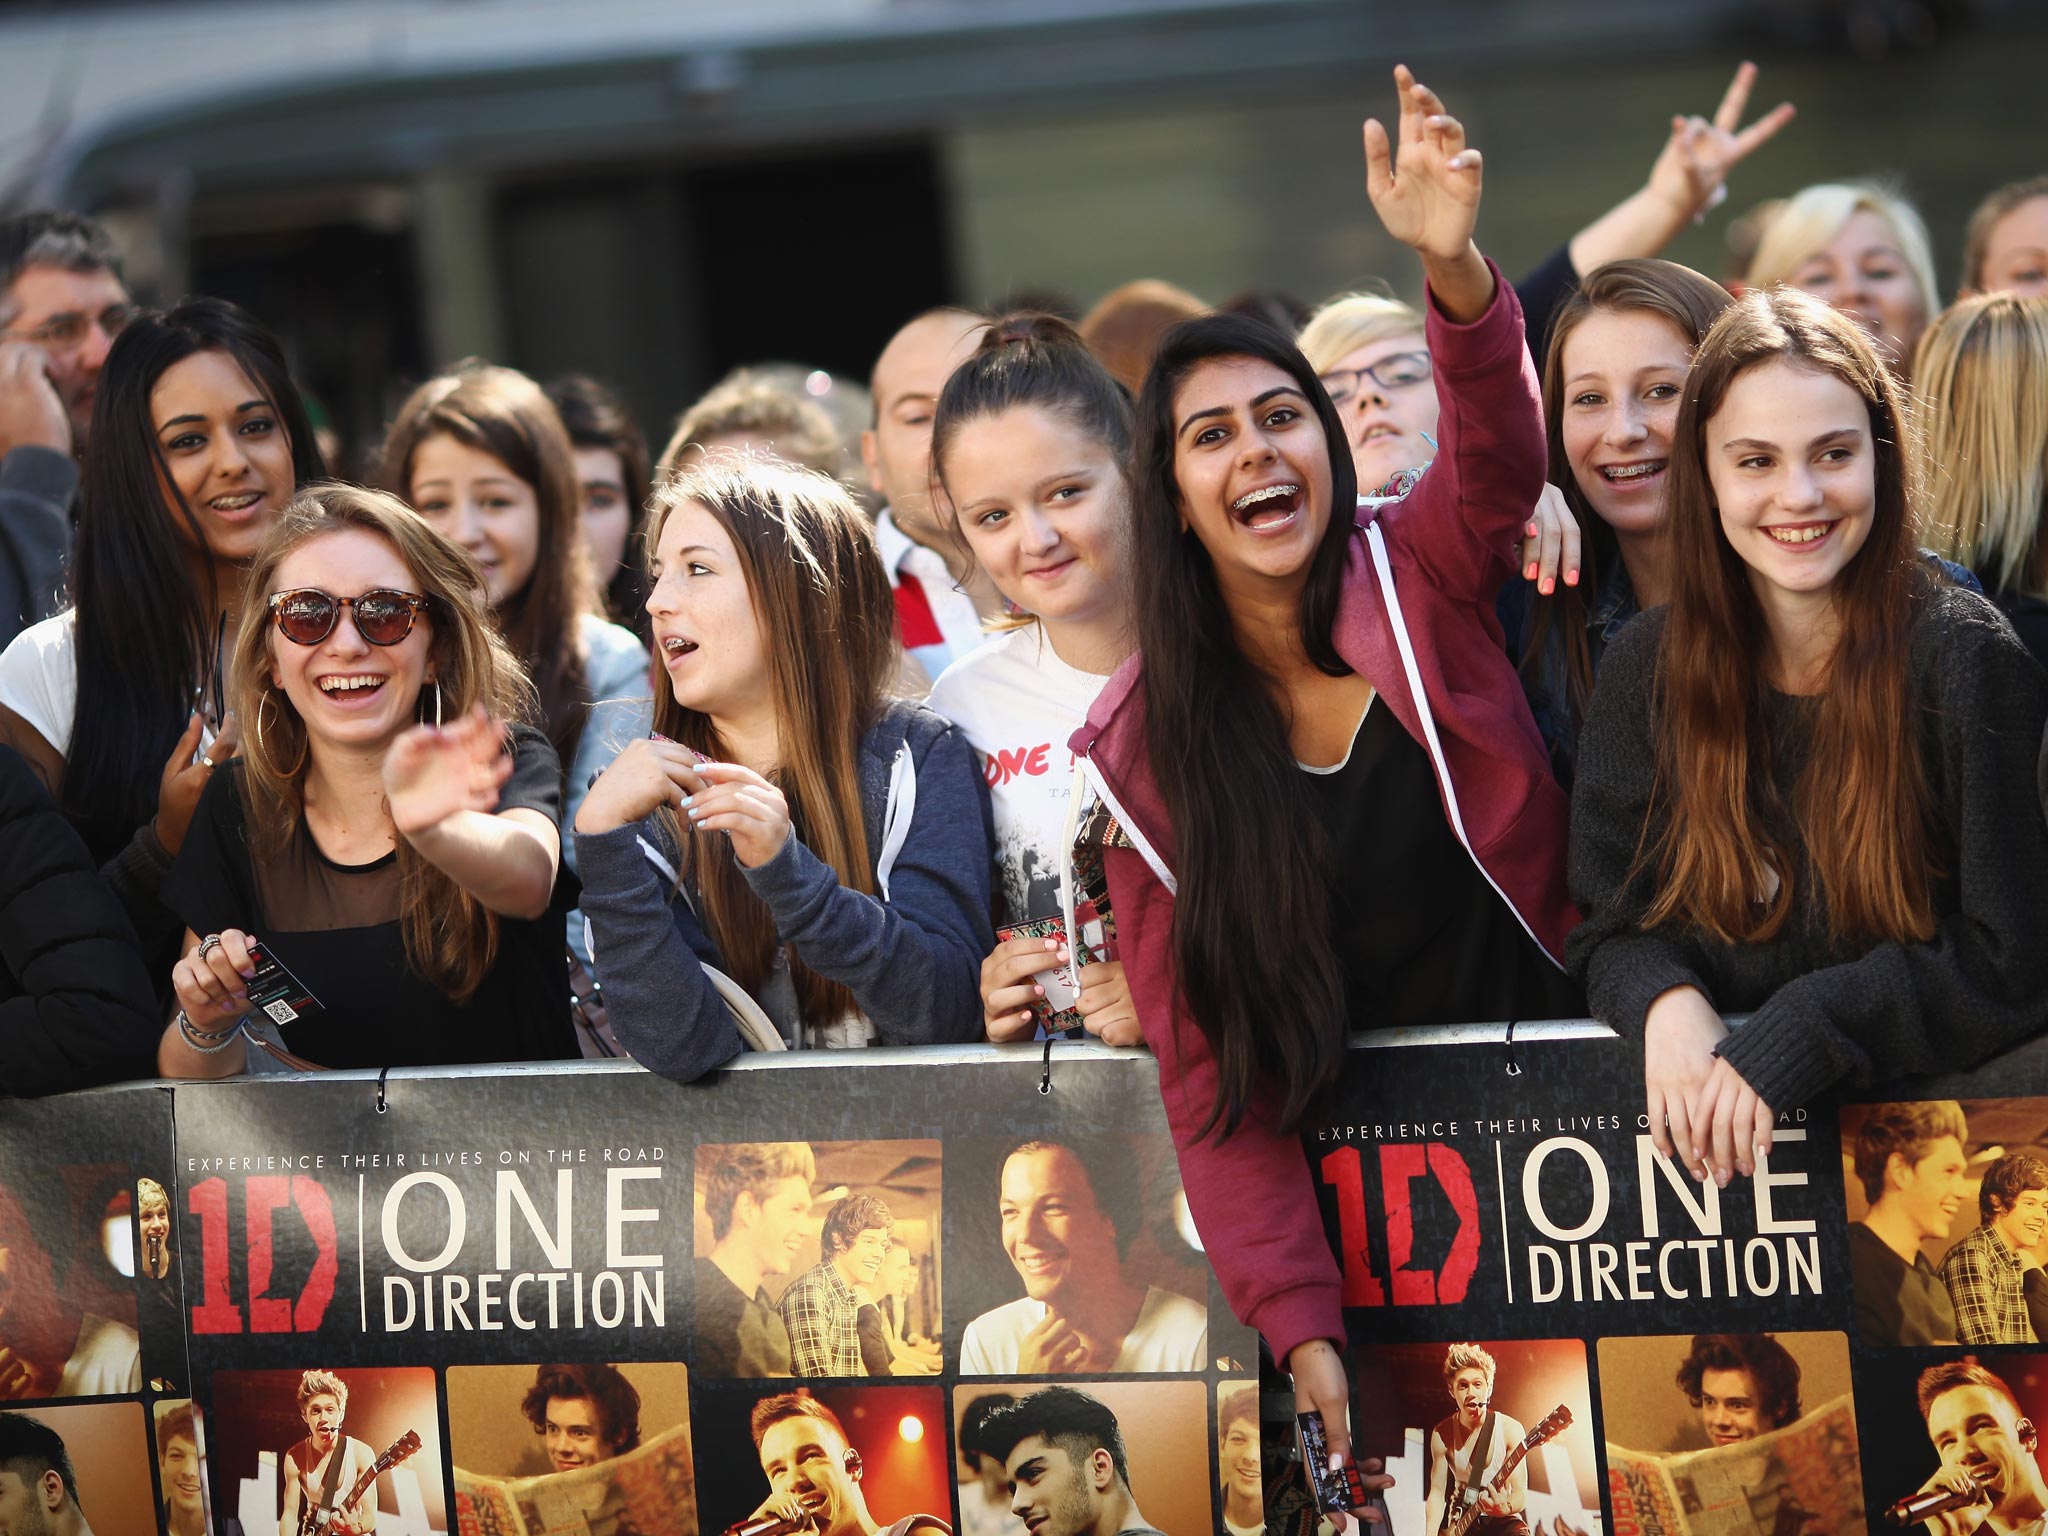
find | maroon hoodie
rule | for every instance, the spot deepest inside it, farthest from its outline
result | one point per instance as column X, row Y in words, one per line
column 1416, row 616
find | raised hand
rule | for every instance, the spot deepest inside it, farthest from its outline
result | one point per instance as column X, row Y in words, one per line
column 1691, row 173
column 1426, row 190
column 185, row 777
column 31, row 410
column 432, row 771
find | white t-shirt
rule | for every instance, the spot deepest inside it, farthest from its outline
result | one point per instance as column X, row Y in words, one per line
column 1017, row 703
column 106, row 1361
column 1171, row 1334
column 39, row 677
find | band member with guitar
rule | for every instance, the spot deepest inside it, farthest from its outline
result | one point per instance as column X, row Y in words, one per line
column 322, row 1469
column 1471, row 1477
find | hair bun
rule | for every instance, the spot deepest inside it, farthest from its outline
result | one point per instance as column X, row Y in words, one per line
column 1025, row 328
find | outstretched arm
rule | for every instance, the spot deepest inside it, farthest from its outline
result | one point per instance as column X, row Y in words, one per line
column 1426, row 191
column 1690, row 177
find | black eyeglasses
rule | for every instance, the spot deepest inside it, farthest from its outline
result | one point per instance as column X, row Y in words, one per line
column 1396, row 372
column 67, row 333
column 306, row 615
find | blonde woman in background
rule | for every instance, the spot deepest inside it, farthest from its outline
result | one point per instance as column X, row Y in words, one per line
column 1982, row 371
column 1864, row 249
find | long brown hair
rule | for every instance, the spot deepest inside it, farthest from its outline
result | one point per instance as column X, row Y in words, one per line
column 451, row 939
column 501, row 412
column 1691, row 303
column 822, row 599
column 1861, row 805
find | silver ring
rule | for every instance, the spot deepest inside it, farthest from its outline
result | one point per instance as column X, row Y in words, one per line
column 205, row 761
column 208, row 945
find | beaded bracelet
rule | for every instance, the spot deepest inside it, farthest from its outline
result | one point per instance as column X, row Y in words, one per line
column 207, row 1042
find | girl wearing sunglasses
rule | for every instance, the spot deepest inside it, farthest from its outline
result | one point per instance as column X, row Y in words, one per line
column 199, row 441
column 790, row 824
column 482, row 454
column 379, row 837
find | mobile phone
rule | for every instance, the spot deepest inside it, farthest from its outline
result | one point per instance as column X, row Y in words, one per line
column 1062, row 987
column 1339, row 1492
column 276, row 991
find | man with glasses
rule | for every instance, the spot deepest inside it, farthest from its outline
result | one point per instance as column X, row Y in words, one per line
column 61, row 304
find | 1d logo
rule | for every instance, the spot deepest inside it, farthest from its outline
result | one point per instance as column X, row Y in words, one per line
column 262, row 1195
column 1401, row 1164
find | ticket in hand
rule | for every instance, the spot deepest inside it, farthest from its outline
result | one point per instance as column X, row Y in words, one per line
column 276, row 991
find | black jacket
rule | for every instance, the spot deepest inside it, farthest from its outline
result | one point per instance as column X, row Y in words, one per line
column 76, row 1007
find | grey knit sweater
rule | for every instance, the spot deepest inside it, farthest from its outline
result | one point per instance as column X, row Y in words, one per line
column 1825, row 1012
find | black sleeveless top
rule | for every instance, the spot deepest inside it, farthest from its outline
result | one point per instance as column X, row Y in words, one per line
column 1420, row 935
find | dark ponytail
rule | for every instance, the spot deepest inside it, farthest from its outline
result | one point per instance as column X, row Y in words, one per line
column 1032, row 360
column 1251, row 921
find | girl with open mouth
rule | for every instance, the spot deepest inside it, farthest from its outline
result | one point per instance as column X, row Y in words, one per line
column 389, row 835
column 1335, row 811
column 791, row 837
column 1806, row 787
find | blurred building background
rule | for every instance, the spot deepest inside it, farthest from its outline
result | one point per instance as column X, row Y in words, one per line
column 655, row 190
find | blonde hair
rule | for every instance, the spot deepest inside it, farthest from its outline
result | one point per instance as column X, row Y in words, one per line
column 745, row 404
column 1353, row 320
column 1466, row 1357
column 1813, row 216
column 322, row 1384
column 1981, row 374
column 451, row 939
column 148, row 1193
column 1986, row 218
column 822, row 599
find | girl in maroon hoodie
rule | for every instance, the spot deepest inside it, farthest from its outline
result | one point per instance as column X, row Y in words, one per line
column 1332, row 807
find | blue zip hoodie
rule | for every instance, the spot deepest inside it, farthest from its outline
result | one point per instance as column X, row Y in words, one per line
column 911, row 957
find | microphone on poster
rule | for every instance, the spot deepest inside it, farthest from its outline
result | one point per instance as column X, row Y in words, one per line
column 1935, row 1501
column 787, row 1521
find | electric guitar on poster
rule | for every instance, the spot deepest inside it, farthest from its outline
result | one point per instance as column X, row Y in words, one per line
column 314, row 1519
column 1459, row 1520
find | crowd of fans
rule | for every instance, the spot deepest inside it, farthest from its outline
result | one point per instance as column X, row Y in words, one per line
column 1216, row 680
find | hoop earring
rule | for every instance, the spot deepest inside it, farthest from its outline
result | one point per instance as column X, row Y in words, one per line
column 305, row 748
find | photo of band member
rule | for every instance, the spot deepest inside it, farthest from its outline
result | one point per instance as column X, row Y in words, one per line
column 1087, row 1458
column 1781, row 1398
column 180, row 1468
column 160, row 1308
column 67, row 1307
column 817, row 1259
column 73, row 1469
column 1240, row 1496
column 1473, row 1427
column 340, row 1452
column 605, row 1446
column 1951, row 1444
column 1066, row 1258
column 826, row 1461
column 1948, row 1209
